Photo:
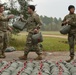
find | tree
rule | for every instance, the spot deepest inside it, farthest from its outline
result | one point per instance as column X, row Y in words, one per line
column 50, row 23
column 23, row 7
column 13, row 8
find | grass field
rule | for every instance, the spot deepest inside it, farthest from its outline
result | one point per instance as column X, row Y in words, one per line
column 49, row 43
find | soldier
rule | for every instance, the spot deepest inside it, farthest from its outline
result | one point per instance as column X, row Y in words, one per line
column 33, row 24
column 70, row 19
column 3, row 31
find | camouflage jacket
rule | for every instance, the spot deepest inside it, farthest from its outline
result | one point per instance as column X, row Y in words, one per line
column 33, row 22
column 3, row 22
column 72, row 22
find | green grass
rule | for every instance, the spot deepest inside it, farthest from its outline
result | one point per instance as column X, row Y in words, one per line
column 54, row 44
column 18, row 41
column 49, row 43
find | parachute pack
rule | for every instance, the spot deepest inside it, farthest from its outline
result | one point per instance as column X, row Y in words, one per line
column 37, row 68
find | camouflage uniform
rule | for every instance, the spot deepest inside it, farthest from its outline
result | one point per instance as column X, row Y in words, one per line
column 3, row 34
column 32, row 23
column 72, row 33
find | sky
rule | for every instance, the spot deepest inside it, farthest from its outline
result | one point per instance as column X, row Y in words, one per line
column 52, row 8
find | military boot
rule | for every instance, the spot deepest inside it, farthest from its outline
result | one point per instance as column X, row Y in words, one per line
column 38, row 58
column 23, row 57
column 71, row 58
column 2, row 55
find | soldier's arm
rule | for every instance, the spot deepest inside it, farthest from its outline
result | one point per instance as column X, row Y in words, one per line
column 3, row 18
column 22, row 19
column 38, row 21
column 64, row 21
column 73, row 22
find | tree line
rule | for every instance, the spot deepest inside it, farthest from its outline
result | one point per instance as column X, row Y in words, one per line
column 50, row 23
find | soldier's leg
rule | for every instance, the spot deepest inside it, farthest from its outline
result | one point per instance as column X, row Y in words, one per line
column 71, row 46
column 38, row 52
column 26, row 51
column 1, row 45
column 5, row 40
column 5, row 43
column 28, row 39
column 28, row 43
column 8, row 38
column 28, row 46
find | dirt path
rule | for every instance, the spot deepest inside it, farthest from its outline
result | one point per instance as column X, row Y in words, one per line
column 51, row 56
column 50, row 35
column 57, row 36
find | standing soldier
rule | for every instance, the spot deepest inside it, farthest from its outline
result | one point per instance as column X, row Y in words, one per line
column 3, row 31
column 70, row 19
column 33, row 24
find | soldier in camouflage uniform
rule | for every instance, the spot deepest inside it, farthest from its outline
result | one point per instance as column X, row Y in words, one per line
column 70, row 19
column 33, row 24
column 3, row 31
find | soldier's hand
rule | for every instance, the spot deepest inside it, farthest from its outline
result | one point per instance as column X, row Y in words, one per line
column 68, row 20
column 38, row 27
column 10, row 16
column 21, row 16
column 36, row 30
column 64, row 23
column 10, row 29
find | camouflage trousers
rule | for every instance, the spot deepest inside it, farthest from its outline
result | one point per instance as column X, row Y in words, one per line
column 29, row 46
column 3, row 41
column 71, row 41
